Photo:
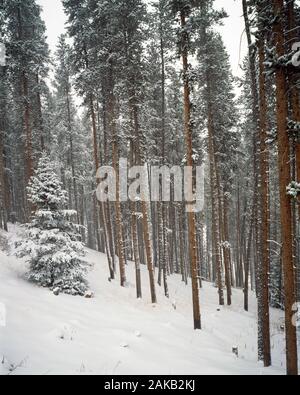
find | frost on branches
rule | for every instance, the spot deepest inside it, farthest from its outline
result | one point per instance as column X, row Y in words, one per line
column 52, row 241
column 293, row 189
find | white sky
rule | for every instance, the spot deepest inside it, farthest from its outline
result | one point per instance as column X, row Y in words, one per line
column 232, row 31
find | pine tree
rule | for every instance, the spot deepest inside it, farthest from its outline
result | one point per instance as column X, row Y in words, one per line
column 89, row 41
column 184, row 9
column 52, row 242
column 216, row 87
column 285, row 180
column 27, row 64
column 264, row 267
column 65, row 123
column 4, row 187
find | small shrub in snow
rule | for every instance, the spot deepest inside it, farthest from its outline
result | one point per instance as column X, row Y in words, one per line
column 52, row 241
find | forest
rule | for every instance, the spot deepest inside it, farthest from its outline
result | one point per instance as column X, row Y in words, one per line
column 151, row 82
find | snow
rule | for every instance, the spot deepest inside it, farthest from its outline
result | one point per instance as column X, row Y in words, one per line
column 114, row 333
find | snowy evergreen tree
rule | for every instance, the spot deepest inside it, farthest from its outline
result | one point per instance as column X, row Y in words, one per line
column 52, row 241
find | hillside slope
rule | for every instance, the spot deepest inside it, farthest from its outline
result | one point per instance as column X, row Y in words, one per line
column 114, row 333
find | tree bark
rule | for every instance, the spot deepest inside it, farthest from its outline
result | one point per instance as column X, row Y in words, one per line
column 189, row 148
column 265, row 210
column 295, row 109
column 144, row 203
column 102, row 207
column 285, row 202
column 115, row 152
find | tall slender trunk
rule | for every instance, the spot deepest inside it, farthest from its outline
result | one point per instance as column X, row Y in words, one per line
column 119, row 228
column 295, row 107
column 144, row 203
column 102, row 206
column 163, row 240
column 40, row 113
column 215, row 219
column 165, row 247
column 134, row 233
column 3, row 186
column 27, row 128
column 136, row 252
column 247, row 262
column 160, row 243
column 118, row 210
column 226, row 250
column 182, row 243
column 239, row 254
column 265, row 210
column 285, row 202
column 189, row 149
column 4, row 193
column 26, row 108
column 255, row 112
column 70, row 131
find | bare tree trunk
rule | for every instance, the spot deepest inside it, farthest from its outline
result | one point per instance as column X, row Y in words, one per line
column 182, row 244
column 163, row 205
column 134, row 232
column 167, row 261
column 70, row 131
column 226, row 250
column 255, row 107
column 115, row 154
column 295, row 107
column 247, row 263
column 40, row 114
column 3, row 185
column 265, row 210
column 102, row 207
column 27, row 127
column 119, row 228
column 144, row 203
column 285, row 202
column 239, row 254
column 136, row 252
column 189, row 147
column 215, row 220
column 26, row 109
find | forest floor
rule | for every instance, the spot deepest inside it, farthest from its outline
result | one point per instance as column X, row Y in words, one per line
column 114, row 333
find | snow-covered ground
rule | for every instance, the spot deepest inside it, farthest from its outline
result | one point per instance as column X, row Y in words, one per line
column 114, row 333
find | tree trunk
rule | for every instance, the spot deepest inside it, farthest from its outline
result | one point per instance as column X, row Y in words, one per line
column 40, row 113
column 295, row 107
column 3, row 186
column 27, row 128
column 70, row 131
column 144, row 203
column 115, row 155
column 226, row 249
column 265, row 211
column 247, row 263
column 189, row 148
column 216, row 251
column 285, row 202
column 102, row 207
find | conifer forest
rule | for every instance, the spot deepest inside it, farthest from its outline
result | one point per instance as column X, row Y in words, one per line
column 149, row 191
